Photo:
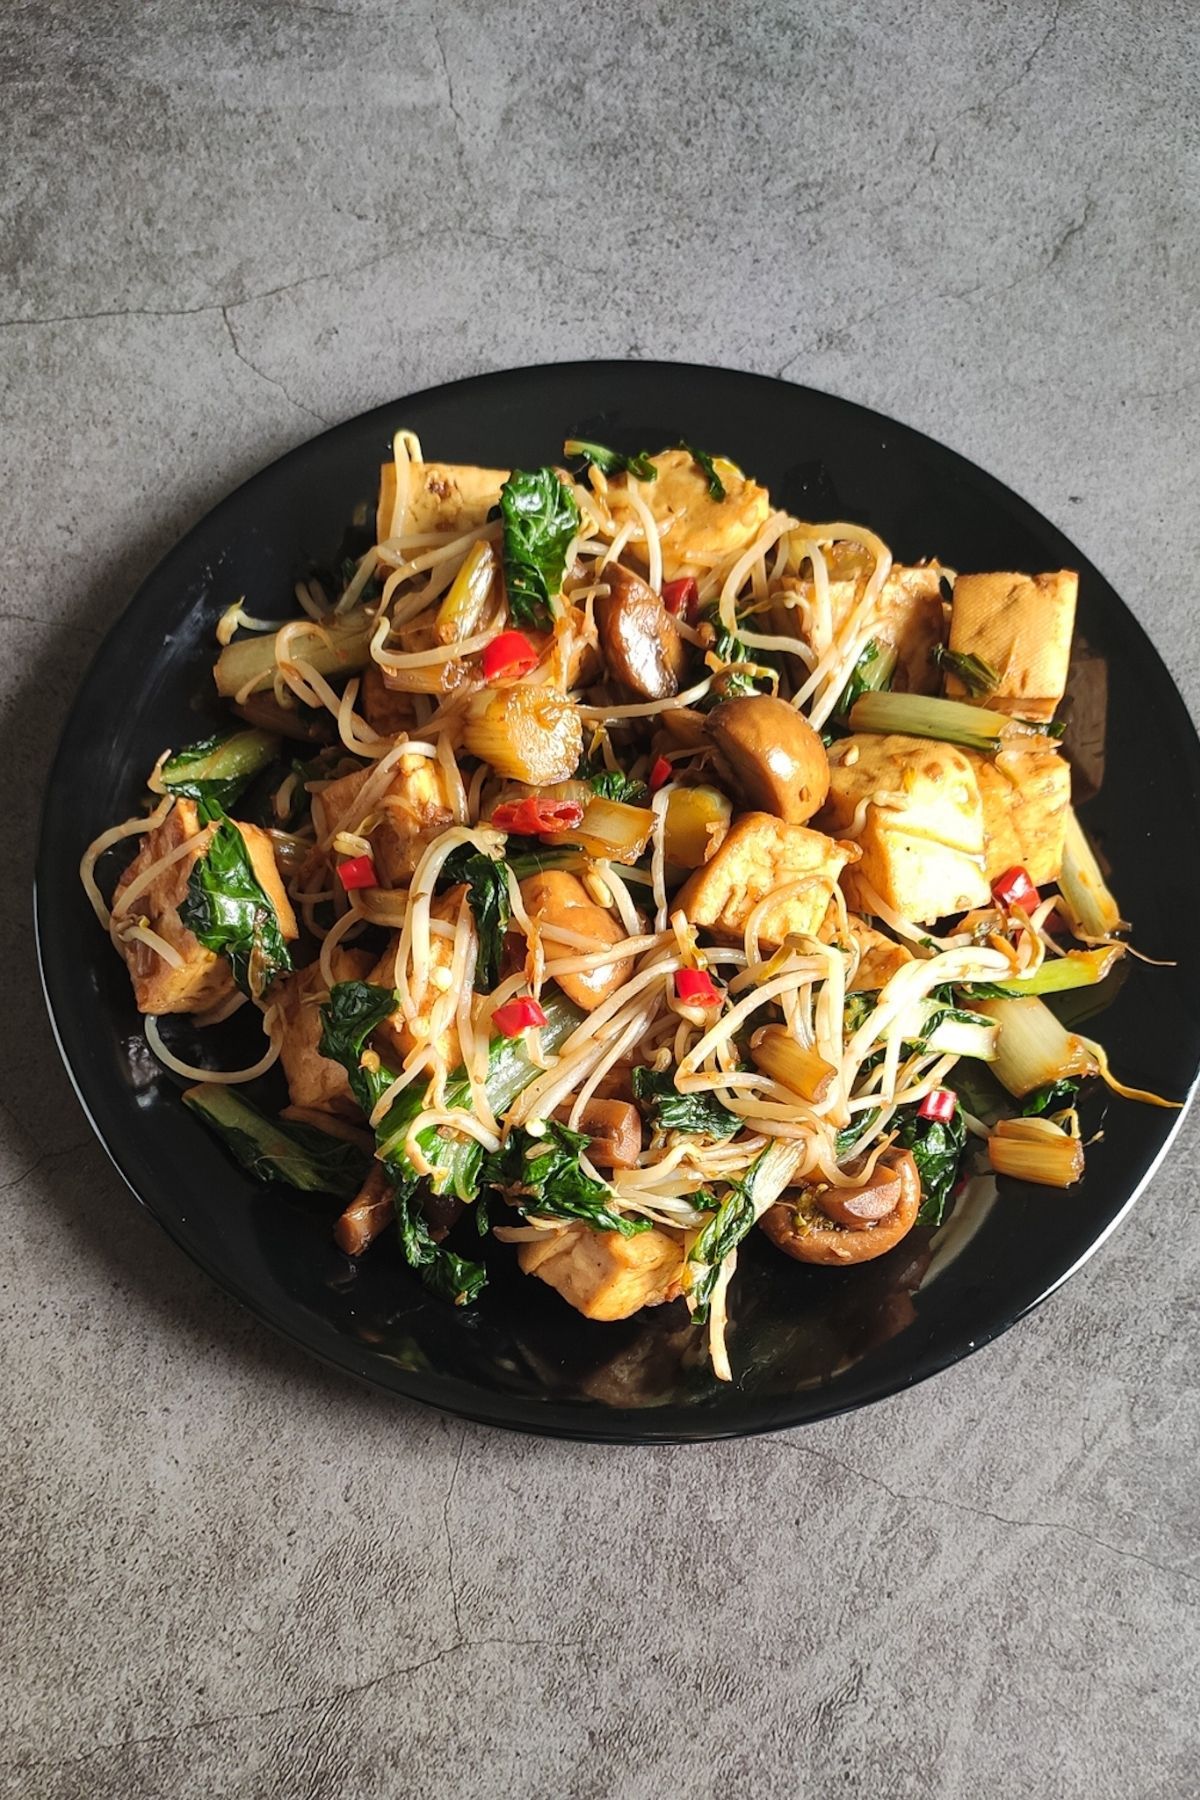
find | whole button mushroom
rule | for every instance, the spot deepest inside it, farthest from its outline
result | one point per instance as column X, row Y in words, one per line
column 775, row 759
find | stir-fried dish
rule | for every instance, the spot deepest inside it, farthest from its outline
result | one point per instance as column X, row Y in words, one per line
column 618, row 863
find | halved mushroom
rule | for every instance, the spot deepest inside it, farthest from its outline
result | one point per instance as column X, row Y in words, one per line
column 641, row 642
column 774, row 757
column 839, row 1226
column 615, row 1129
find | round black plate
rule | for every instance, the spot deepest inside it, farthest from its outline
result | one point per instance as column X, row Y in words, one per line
column 805, row 1342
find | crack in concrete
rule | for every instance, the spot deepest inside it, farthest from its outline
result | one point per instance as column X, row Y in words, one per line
column 449, row 80
column 262, row 374
column 335, row 1698
column 1075, row 229
column 982, row 109
column 41, row 1161
column 446, row 1531
column 983, row 1512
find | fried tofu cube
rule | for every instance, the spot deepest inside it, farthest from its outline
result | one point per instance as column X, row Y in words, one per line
column 315, row 1082
column 1021, row 625
column 912, row 621
column 400, row 822
column 879, row 957
column 921, row 832
column 604, row 1275
column 448, row 497
column 758, row 855
column 385, row 710
column 203, row 978
column 696, row 531
column 399, row 1035
column 1026, row 798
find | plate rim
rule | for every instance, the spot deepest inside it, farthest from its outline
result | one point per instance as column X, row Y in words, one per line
column 553, row 1417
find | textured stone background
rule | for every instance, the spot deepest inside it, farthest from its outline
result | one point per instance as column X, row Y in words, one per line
column 233, row 1574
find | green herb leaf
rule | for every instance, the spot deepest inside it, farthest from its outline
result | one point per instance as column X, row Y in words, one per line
column 218, row 769
column 1056, row 1096
column 976, row 675
column 745, row 1202
column 937, row 1149
column 229, row 912
column 716, row 487
column 614, row 784
column 540, row 519
column 450, row 1276
column 304, row 1157
column 488, row 898
column 546, row 1171
column 352, row 1012
column 730, row 650
column 612, row 462
column 666, row 1109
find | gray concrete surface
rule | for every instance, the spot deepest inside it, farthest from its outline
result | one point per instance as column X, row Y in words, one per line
column 229, row 1573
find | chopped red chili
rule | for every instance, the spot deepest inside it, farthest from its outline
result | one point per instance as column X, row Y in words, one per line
column 940, row 1104
column 357, row 872
column 660, row 774
column 680, row 597
column 1014, row 888
column 508, row 656
column 516, row 1016
column 535, row 815
column 695, row 987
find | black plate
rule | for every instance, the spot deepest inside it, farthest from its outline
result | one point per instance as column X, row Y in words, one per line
column 806, row 1342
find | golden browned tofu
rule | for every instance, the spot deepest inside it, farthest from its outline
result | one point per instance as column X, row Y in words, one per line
column 695, row 530
column 758, row 855
column 1026, row 797
column 921, row 830
column 385, row 711
column 446, row 497
column 203, row 978
column 400, row 822
column 604, row 1275
column 909, row 615
column 397, row 1035
column 1021, row 625
column 315, row 1083
column 879, row 957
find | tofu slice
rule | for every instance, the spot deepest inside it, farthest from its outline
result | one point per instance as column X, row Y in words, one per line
column 398, row 1035
column 447, row 497
column 1026, row 797
column 921, row 832
column 1022, row 625
column 204, row 978
column 413, row 810
column 758, row 855
column 695, row 530
column 604, row 1275
column 385, row 710
column 910, row 615
column 315, row 1083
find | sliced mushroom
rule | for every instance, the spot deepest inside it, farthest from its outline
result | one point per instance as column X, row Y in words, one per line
column 369, row 1213
column 807, row 1226
column 557, row 898
column 640, row 640
column 615, row 1128
column 774, row 757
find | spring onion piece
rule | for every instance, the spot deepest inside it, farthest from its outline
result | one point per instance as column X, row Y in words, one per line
column 1035, row 1150
column 976, row 675
column 337, row 646
column 1057, row 974
column 1033, row 1048
column 871, row 674
column 1091, row 908
column 926, row 716
column 465, row 606
column 793, row 1065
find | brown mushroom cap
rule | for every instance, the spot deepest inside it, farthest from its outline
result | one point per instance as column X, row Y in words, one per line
column 775, row 758
column 796, row 1229
column 641, row 642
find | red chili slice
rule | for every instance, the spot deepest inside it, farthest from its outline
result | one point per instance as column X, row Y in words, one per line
column 940, row 1104
column 695, row 987
column 660, row 774
column 516, row 1016
column 357, row 872
column 535, row 815
column 1014, row 888
column 680, row 597
column 508, row 656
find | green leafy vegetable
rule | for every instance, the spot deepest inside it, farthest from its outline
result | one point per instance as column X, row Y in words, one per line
column 352, row 1012
column 547, row 1172
column 976, row 675
column 314, row 1161
column 1056, row 1096
column 668, row 1110
column 217, row 769
column 937, row 1149
column 229, row 912
column 614, row 784
column 745, row 1202
column 488, row 898
column 716, row 487
column 730, row 650
column 540, row 519
column 612, row 462
column 871, row 674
